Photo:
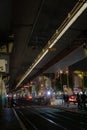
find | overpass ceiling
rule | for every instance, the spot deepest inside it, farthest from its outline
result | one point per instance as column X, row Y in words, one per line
column 79, row 66
column 32, row 24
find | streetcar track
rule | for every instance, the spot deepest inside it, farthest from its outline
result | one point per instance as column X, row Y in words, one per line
column 25, row 119
column 58, row 115
column 35, row 109
column 59, row 119
column 79, row 123
column 49, row 120
column 51, row 114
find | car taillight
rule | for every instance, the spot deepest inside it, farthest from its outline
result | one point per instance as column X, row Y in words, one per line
column 29, row 97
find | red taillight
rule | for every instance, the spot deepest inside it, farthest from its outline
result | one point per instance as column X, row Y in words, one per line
column 72, row 97
column 29, row 97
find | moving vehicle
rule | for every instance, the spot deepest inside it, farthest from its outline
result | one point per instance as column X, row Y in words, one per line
column 73, row 99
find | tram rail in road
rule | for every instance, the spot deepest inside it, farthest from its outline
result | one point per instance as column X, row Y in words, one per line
column 24, row 122
column 40, row 118
column 27, row 124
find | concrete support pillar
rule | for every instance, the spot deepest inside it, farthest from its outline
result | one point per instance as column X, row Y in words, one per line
column 0, row 91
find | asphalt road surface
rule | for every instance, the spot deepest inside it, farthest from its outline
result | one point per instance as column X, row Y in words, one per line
column 47, row 118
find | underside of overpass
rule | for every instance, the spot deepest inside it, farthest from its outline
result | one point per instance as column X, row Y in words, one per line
column 30, row 28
